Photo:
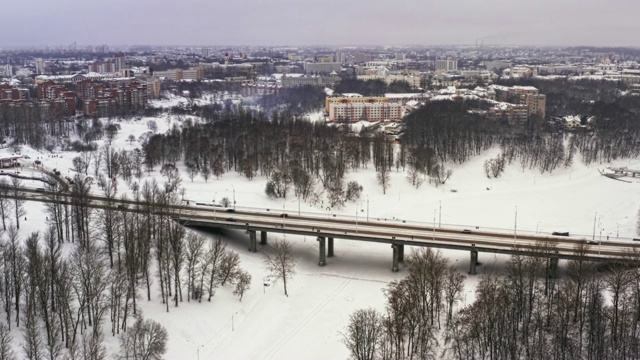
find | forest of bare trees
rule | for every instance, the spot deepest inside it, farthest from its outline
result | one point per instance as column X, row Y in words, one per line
column 62, row 302
column 591, row 312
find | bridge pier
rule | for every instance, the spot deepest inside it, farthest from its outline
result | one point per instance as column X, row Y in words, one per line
column 401, row 253
column 263, row 238
column 322, row 261
column 553, row 265
column 473, row 261
column 253, row 243
column 330, row 247
column 396, row 257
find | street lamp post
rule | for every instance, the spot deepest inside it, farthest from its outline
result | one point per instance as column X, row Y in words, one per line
column 357, row 217
column 515, row 227
column 593, row 237
column 367, row 207
column 232, row 327
column 433, row 233
column 537, row 225
column 198, row 350
column 234, row 196
column 440, row 214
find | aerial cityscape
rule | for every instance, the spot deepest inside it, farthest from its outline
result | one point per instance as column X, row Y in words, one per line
column 401, row 181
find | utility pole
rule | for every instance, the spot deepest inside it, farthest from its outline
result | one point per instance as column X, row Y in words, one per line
column 440, row 214
column 594, row 226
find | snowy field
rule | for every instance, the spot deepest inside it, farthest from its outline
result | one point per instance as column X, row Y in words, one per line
column 307, row 324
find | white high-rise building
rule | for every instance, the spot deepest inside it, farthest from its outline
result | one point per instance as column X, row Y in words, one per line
column 40, row 66
column 446, row 65
column 120, row 62
column 6, row 70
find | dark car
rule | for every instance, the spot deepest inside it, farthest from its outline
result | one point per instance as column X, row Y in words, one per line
column 230, row 210
column 592, row 242
column 560, row 233
column 38, row 162
column 230, row 219
column 284, row 215
column 466, row 231
column 40, row 190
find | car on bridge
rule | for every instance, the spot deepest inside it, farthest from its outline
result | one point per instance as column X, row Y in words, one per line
column 231, row 220
column 560, row 233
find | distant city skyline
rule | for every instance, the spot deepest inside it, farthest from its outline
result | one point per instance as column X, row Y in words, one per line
column 331, row 22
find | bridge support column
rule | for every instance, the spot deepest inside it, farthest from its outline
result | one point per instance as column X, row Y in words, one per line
column 253, row 243
column 473, row 261
column 322, row 261
column 553, row 265
column 330, row 247
column 401, row 253
column 396, row 256
column 263, row 238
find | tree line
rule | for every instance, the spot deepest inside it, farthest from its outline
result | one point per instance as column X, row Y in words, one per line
column 591, row 313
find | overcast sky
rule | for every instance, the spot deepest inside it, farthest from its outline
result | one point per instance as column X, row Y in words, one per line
column 320, row 22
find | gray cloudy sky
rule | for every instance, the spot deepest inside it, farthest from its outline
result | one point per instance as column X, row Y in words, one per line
column 312, row 22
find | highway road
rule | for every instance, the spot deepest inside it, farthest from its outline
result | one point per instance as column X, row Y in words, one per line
column 335, row 227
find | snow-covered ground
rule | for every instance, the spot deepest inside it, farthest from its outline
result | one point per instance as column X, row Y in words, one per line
column 307, row 324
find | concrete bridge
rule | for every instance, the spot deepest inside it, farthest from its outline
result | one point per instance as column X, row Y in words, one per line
column 327, row 229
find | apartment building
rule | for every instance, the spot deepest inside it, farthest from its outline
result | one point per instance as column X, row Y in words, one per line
column 446, row 65
column 355, row 108
column 513, row 113
column 195, row 73
column 414, row 81
column 322, row 68
column 60, row 98
column 8, row 92
column 102, row 101
column 359, row 111
column 528, row 96
column 293, row 81
column 352, row 99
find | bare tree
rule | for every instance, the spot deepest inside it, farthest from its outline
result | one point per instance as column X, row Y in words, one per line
column 281, row 264
column 5, row 202
column 33, row 344
column 363, row 333
column 243, row 281
column 353, row 191
column 18, row 200
column 214, row 257
column 193, row 258
column 384, row 178
column 453, row 287
column 6, row 351
column 145, row 340
column 229, row 267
